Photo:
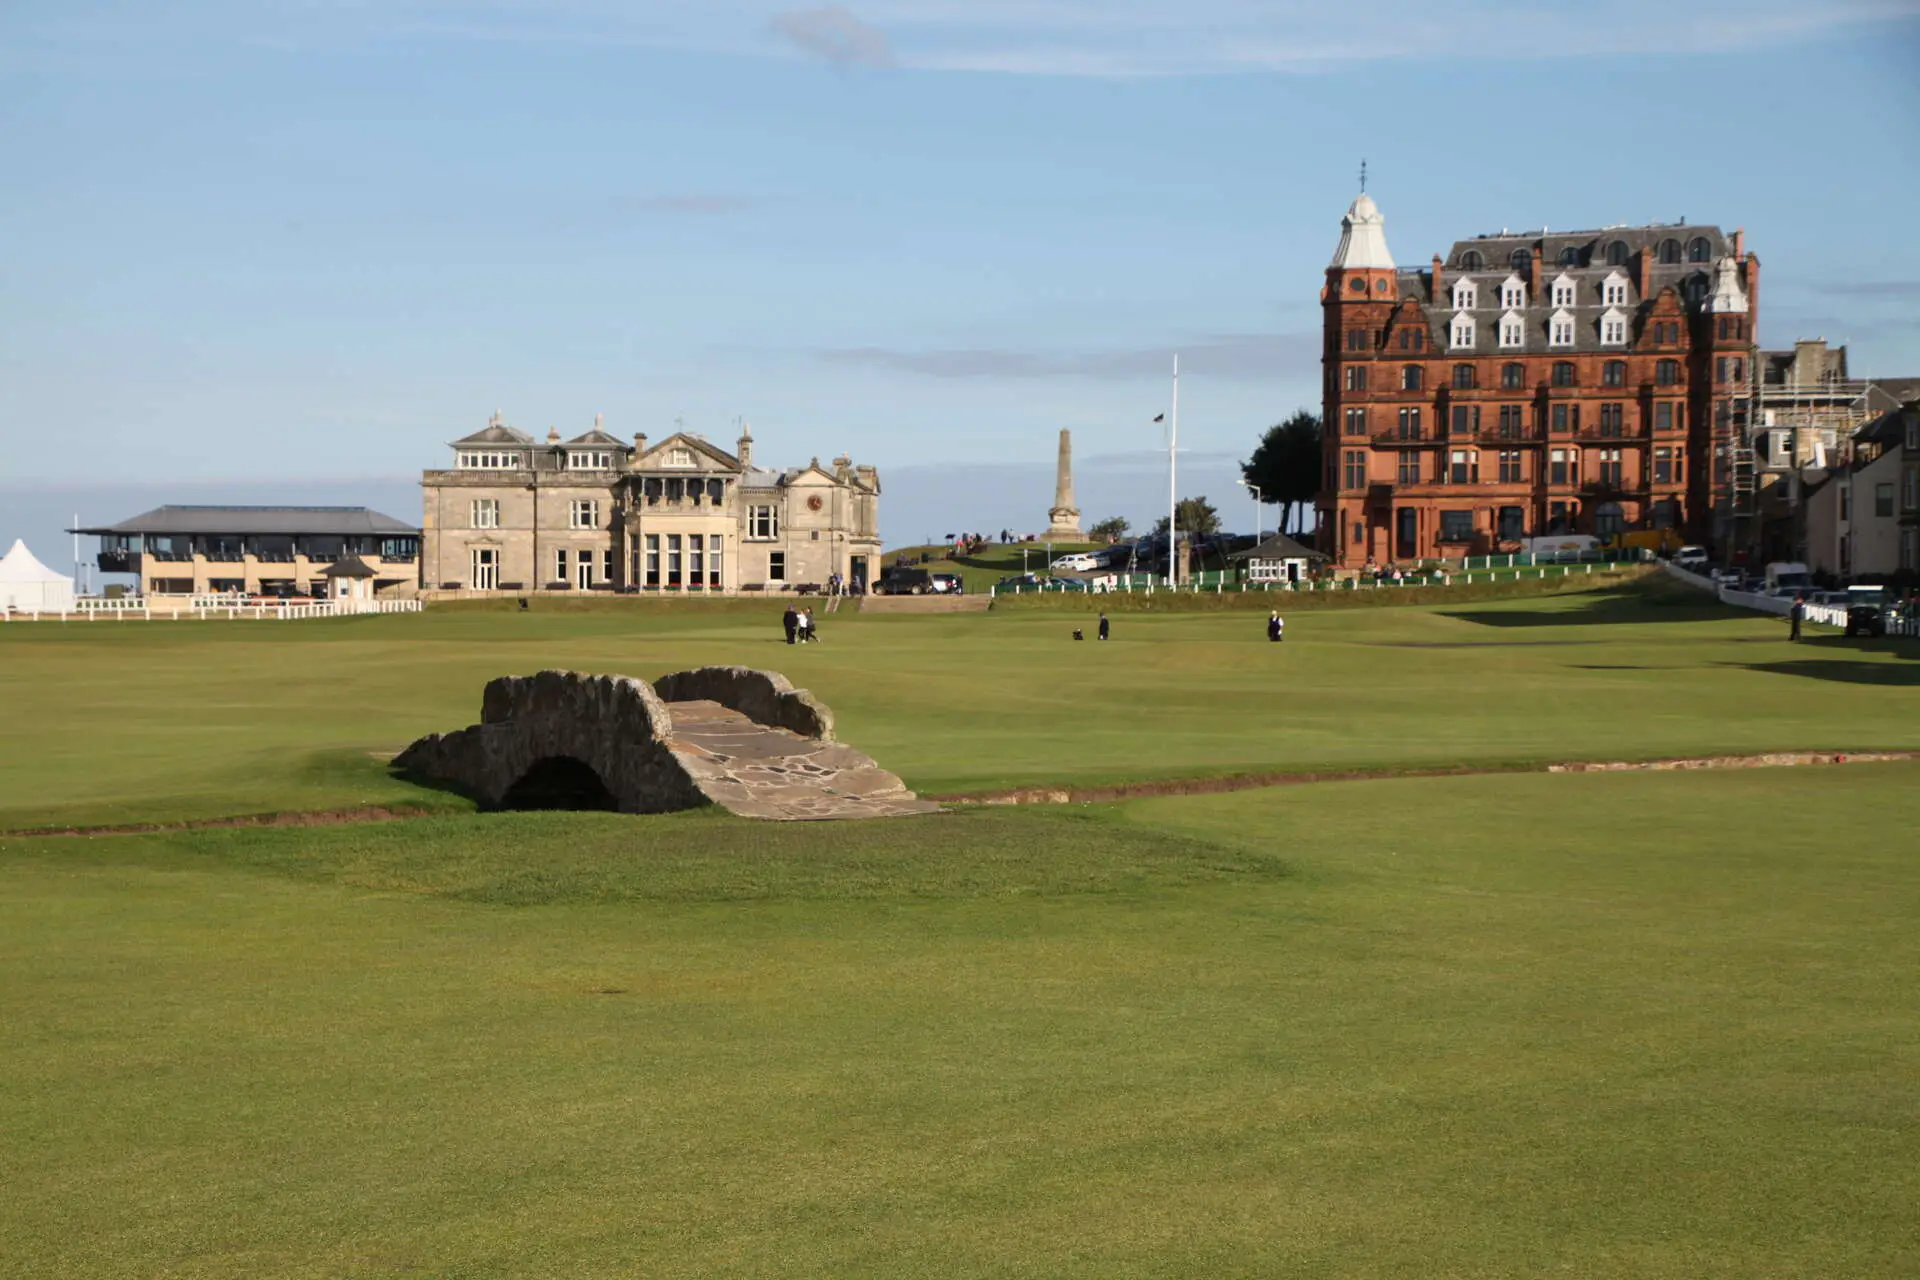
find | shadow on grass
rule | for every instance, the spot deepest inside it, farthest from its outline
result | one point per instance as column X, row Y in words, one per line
column 1646, row 600
column 1845, row 670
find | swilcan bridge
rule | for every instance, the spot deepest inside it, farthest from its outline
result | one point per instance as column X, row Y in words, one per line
column 742, row 739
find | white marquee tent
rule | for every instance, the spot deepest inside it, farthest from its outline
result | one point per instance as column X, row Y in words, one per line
column 27, row 586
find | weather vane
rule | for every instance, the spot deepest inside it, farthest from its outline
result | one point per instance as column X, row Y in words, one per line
column 1363, row 175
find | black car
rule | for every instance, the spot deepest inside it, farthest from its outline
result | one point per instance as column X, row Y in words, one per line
column 1866, row 620
column 903, row 580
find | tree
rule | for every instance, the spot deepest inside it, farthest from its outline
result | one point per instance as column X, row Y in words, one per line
column 1112, row 529
column 1196, row 516
column 1286, row 465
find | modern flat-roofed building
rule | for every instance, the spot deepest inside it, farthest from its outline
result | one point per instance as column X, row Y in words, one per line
column 190, row 550
column 519, row 515
column 1533, row 384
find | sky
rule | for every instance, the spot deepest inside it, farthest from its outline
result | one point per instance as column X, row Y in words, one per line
column 286, row 250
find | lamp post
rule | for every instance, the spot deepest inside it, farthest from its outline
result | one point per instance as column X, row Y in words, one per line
column 1256, row 509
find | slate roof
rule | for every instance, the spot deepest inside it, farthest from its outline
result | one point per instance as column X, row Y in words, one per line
column 596, row 438
column 292, row 521
column 498, row 434
column 348, row 567
column 1278, row 547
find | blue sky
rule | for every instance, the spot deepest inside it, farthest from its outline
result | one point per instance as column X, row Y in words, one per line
column 266, row 248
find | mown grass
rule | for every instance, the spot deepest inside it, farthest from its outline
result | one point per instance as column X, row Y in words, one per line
column 121, row 723
column 1602, row 1025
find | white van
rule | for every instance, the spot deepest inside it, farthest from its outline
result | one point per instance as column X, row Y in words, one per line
column 1694, row 558
column 1788, row 577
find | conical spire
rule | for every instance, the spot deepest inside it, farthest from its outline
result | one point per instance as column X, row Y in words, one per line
column 1363, row 237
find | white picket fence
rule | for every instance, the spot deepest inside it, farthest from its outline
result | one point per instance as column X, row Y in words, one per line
column 1826, row 615
column 201, row 608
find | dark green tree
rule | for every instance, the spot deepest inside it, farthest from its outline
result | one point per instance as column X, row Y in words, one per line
column 1112, row 529
column 1196, row 516
column 1286, row 465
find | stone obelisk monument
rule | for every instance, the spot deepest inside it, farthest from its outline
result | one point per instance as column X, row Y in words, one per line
column 1063, row 517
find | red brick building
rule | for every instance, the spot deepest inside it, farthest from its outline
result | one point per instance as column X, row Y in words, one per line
column 1526, row 385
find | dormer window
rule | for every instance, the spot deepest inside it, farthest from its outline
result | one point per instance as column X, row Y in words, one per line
column 1613, row 329
column 589, row 460
column 1563, row 291
column 1560, row 329
column 1513, row 331
column 1472, row 261
column 677, row 458
column 1466, row 296
column 1699, row 249
column 1462, row 334
column 1513, row 293
column 1613, row 290
column 486, row 460
column 1617, row 253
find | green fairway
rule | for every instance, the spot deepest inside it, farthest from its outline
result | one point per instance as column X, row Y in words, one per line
column 1623, row 1025
column 116, row 723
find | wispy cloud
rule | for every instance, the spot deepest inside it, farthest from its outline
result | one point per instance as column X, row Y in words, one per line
column 833, row 34
column 1223, row 356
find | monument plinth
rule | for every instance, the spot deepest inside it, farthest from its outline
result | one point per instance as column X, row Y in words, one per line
column 1063, row 517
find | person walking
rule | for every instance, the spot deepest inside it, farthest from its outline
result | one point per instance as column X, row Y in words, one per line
column 1276, row 626
column 1794, row 616
column 790, row 621
column 807, row 635
column 1103, row 626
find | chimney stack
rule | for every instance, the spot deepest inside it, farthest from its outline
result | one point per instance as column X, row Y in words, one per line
column 1438, row 288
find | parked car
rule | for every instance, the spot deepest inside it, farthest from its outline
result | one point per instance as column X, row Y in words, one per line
column 1018, row 582
column 948, row 584
column 1694, row 558
column 1078, row 562
column 905, row 580
column 1866, row 620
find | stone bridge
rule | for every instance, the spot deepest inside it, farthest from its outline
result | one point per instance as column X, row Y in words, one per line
column 743, row 739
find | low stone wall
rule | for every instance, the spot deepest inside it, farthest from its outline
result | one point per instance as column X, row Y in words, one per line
column 614, row 725
column 764, row 697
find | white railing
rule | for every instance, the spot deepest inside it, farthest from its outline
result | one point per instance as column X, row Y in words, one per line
column 1827, row 615
column 207, row 607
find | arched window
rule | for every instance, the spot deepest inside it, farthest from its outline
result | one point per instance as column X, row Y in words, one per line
column 1522, row 260
column 1669, row 252
column 1463, row 377
column 1570, row 256
column 1699, row 249
column 1513, row 375
column 1617, row 254
column 1563, row 373
column 1615, row 373
column 1472, row 261
column 1412, row 378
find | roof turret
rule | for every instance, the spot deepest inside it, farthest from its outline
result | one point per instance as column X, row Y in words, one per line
column 1729, row 298
column 1363, row 237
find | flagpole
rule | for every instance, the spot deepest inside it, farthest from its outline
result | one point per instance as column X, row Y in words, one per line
column 1173, row 486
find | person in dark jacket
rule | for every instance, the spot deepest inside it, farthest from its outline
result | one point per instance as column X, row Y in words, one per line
column 1103, row 626
column 790, row 621
column 1794, row 616
column 1275, row 627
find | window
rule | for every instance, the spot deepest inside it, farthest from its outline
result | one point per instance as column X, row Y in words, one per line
column 1463, row 378
column 1614, row 373
column 1559, row 469
column 1462, row 331
column 1354, row 475
column 1456, row 526
column 1410, row 424
column 1910, row 490
column 1513, row 293
column 1699, row 249
column 1669, row 252
column 1510, row 466
column 1419, row 339
column 1472, row 261
column 1357, row 285
column 1412, row 378
column 583, row 513
column 1356, row 339
column 1521, row 260
column 674, row 560
column 1613, row 420
column 1513, row 375
column 1513, row 422
column 1611, row 468
column 486, row 461
column 1570, row 256
column 1513, row 524
column 653, row 559
column 716, row 553
column 1561, row 417
column 1617, row 253
column 678, row 458
column 1608, row 519
column 1563, row 292
column 777, row 566
column 1663, row 466
column 1666, row 373
column 763, row 522
column 1356, row 422
column 1466, row 419
column 1613, row 290
column 1359, row 532
column 1613, row 330
column 1720, row 369
column 1560, row 329
column 486, row 513
column 1883, row 500
column 1663, row 416
column 1563, row 373
column 1466, row 295
column 589, row 460
column 1463, row 467
column 606, row 565
column 1409, row 468
column 1356, row 378
column 560, row 564
column 1513, row 332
